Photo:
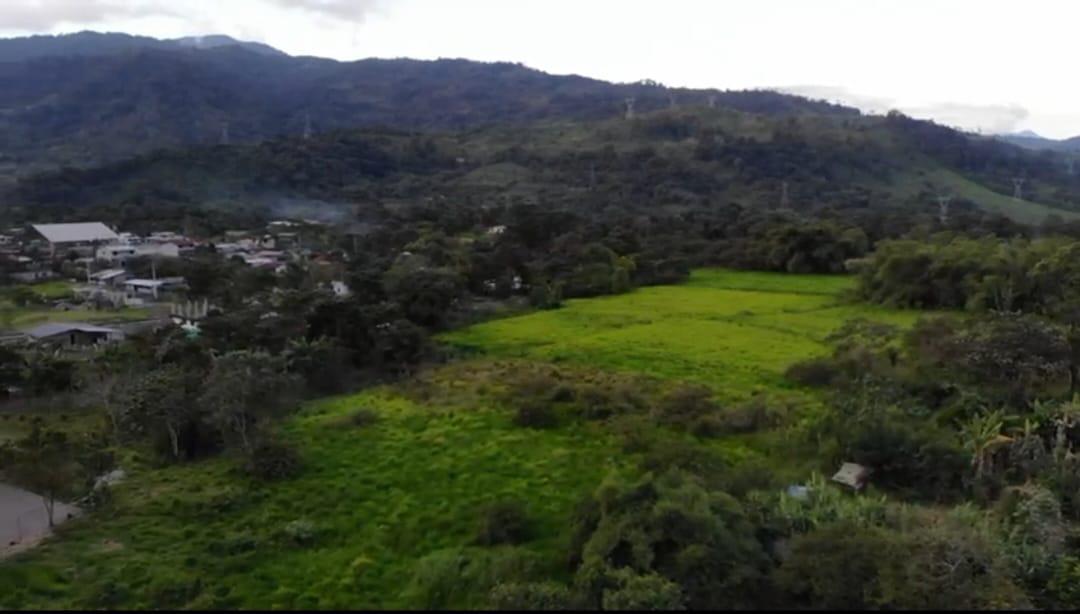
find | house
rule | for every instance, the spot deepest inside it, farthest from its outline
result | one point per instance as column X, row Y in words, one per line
column 125, row 251
column 154, row 287
column 852, row 475
column 29, row 277
column 73, row 334
column 82, row 238
column 109, row 277
column 115, row 253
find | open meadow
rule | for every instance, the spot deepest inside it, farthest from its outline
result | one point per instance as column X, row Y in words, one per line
column 384, row 513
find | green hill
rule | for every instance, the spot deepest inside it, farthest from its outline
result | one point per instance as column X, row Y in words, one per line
column 384, row 514
column 670, row 162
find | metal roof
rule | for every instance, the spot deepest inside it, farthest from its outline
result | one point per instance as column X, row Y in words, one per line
column 60, row 328
column 75, row 233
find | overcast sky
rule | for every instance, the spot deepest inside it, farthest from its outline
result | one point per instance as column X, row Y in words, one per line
column 998, row 65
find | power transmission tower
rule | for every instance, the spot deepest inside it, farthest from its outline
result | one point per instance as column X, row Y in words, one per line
column 630, row 107
column 785, row 200
column 307, row 125
column 1018, row 188
column 592, row 177
column 1069, row 163
column 712, row 101
column 943, row 209
column 671, row 100
column 225, row 134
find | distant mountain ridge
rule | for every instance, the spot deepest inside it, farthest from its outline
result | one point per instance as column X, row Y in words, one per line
column 96, row 44
column 1032, row 140
column 88, row 98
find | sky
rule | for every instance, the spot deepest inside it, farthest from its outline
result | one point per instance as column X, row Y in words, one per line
column 984, row 65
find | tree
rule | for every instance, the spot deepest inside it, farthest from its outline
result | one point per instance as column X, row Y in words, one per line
column 44, row 462
column 424, row 293
column 244, row 391
column 12, row 365
column 161, row 400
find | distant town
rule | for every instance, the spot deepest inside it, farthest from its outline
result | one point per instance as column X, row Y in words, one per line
column 112, row 277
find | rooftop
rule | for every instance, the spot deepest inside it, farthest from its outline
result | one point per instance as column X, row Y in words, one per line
column 60, row 328
column 74, row 233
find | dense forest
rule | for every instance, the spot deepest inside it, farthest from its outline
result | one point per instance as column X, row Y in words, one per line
column 74, row 106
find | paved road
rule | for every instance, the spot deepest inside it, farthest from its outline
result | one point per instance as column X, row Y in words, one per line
column 23, row 518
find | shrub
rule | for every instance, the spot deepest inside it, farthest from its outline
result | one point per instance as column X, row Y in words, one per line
column 504, row 522
column 446, row 579
column 535, row 415
column 363, row 417
column 272, row 460
column 300, row 532
column 754, row 415
column 635, row 433
column 643, row 592
column 600, row 401
column 532, row 596
column 685, row 404
column 816, row 372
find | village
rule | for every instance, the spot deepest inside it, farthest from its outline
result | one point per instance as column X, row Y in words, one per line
column 79, row 286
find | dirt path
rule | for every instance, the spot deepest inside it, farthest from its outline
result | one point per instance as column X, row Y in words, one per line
column 23, row 521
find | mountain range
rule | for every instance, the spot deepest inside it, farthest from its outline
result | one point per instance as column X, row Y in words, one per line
column 88, row 99
column 141, row 131
column 1031, row 140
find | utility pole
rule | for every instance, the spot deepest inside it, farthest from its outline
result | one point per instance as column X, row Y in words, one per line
column 1018, row 188
column 630, row 107
column 943, row 209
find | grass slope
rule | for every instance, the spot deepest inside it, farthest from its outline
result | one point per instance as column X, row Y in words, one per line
column 735, row 332
column 399, row 500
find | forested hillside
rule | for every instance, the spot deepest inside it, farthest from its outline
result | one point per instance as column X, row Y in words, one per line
column 682, row 164
column 104, row 99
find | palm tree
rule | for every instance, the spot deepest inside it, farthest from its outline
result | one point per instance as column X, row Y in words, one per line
column 982, row 436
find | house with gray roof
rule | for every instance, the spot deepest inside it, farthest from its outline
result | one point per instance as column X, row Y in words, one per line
column 83, row 238
column 73, row 334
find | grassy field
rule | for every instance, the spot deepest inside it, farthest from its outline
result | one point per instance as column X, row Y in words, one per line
column 393, row 506
column 735, row 332
column 27, row 317
column 19, row 318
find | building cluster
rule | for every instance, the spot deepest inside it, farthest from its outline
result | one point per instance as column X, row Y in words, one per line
column 99, row 260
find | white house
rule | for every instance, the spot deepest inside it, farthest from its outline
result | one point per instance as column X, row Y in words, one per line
column 109, row 277
column 82, row 238
column 154, row 287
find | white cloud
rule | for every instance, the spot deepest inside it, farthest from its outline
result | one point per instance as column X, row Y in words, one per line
column 355, row 11
column 44, row 15
column 987, row 118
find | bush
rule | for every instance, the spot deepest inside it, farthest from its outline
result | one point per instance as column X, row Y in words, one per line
column 600, row 401
column 273, row 460
column 635, row 433
column 363, row 417
column 754, row 415
column 643, row 592
column 532, row 596
column 300, row 532
column 535, row 414
column 816, row 372
column 447, row 579
column 685, row 405
column 505, row 522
